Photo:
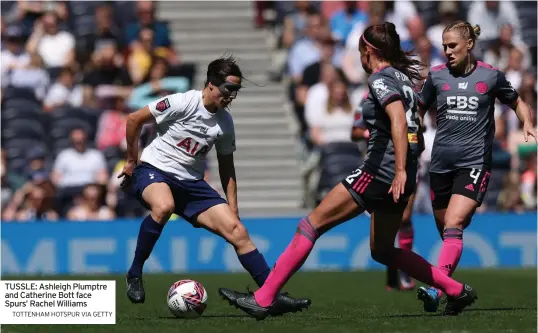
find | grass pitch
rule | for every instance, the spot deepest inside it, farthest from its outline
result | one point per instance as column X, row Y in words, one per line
column 342, row 302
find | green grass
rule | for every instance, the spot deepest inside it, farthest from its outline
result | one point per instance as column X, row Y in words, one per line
column 342, row 302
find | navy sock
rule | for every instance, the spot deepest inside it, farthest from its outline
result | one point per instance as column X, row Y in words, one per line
column 147, row 237
column 255, row 264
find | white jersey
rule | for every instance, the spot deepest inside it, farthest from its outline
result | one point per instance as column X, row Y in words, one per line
column 186, row 132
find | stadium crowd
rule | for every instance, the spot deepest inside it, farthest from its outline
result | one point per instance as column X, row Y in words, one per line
column 316, row 52
column 71, row 71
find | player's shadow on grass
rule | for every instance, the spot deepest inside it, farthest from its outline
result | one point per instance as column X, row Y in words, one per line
column 418, row 315
column 498, row 309
column 202, row 317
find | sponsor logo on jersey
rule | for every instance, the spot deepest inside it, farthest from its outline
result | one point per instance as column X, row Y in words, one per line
column 412, row 138
column 462, row 85
column 481, row 87
column 380, row 88
column 163, row 105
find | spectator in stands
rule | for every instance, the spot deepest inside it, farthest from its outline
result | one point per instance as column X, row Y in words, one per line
column 106, row 31
column 295, row 24
column 91, row 206
column 427, row 54
column 29, row 12
column 107, row 78
column 112, row 125
column 312, row 73
column 37, row 162
column 318, row 93
column 9, row 181
column 351, row 63
column 32, row 76
column 510, row 196
column 33, row 201
column 332, row 120
column 55, row 47
column 447, row 13
column 161, row 35
column 64, row 91
column 514, row 69
column 307, row 50
column 342, row 21
column 157, row 83
column 140, row 60
column 491, row 15
column 14, row 55
column 77, row 167
column 498, row 52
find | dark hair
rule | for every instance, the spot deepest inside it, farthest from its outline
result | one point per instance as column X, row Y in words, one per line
column 466, row 30
column 384, row 39
column 219, row 69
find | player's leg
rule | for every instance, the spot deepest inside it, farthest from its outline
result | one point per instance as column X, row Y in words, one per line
column 204, row 207
column 383, row 229
column 440, row 192
column 337, row 207
column 220, row 219
column 158, row 197
column 397, row 280
column 405, row 241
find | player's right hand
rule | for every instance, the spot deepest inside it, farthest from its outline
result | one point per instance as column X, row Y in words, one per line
column 126, row 173
column 398, row 185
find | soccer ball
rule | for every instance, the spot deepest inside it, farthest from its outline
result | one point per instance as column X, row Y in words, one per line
column 187, row 299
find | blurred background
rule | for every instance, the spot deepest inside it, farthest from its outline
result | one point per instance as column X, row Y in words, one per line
column 71, row 71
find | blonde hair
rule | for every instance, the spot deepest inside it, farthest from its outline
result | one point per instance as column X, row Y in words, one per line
column 466, row 30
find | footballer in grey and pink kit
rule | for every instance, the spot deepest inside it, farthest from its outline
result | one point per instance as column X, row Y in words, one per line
column 465, row 91
column 462, row 147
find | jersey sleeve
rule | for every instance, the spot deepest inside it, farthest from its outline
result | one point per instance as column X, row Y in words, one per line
column 171, row 107
column 225, row 145
column 384, row 88
column 504, row 90
column 427, row 94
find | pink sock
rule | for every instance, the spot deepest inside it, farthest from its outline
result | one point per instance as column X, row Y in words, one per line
column 288, row 263
column 418, row 268
column 405, row 237
column 450, row 254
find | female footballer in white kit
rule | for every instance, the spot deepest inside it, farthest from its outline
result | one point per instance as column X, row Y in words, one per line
column 169, row 178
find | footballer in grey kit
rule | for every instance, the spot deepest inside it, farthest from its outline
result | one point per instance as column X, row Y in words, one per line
column 386, row 86
column 465, row 90
column 465, row 107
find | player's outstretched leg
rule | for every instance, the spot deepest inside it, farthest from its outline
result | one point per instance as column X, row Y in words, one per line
column 384, row 226
column 337, row 207
column 159, row 198
column 221, row 220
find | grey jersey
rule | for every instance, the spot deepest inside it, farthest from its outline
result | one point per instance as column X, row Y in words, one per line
column 465, row 120
column 386, row 86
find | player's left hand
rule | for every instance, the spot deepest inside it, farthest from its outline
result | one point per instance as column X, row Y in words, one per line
column 528, row 129
column 398, row 185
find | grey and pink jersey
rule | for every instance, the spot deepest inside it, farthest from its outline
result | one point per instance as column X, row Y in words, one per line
column 465, row 114
column 385, row 86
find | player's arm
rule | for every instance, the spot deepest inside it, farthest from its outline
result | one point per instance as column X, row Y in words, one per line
column 385, row 91
column 228, row 180
column 509, row 96
column 398, row 127
column 135, row 121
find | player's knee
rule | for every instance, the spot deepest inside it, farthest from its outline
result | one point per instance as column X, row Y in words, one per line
column 383, row 256
column 162, row 211
column 237, row 234
column 454, row 221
